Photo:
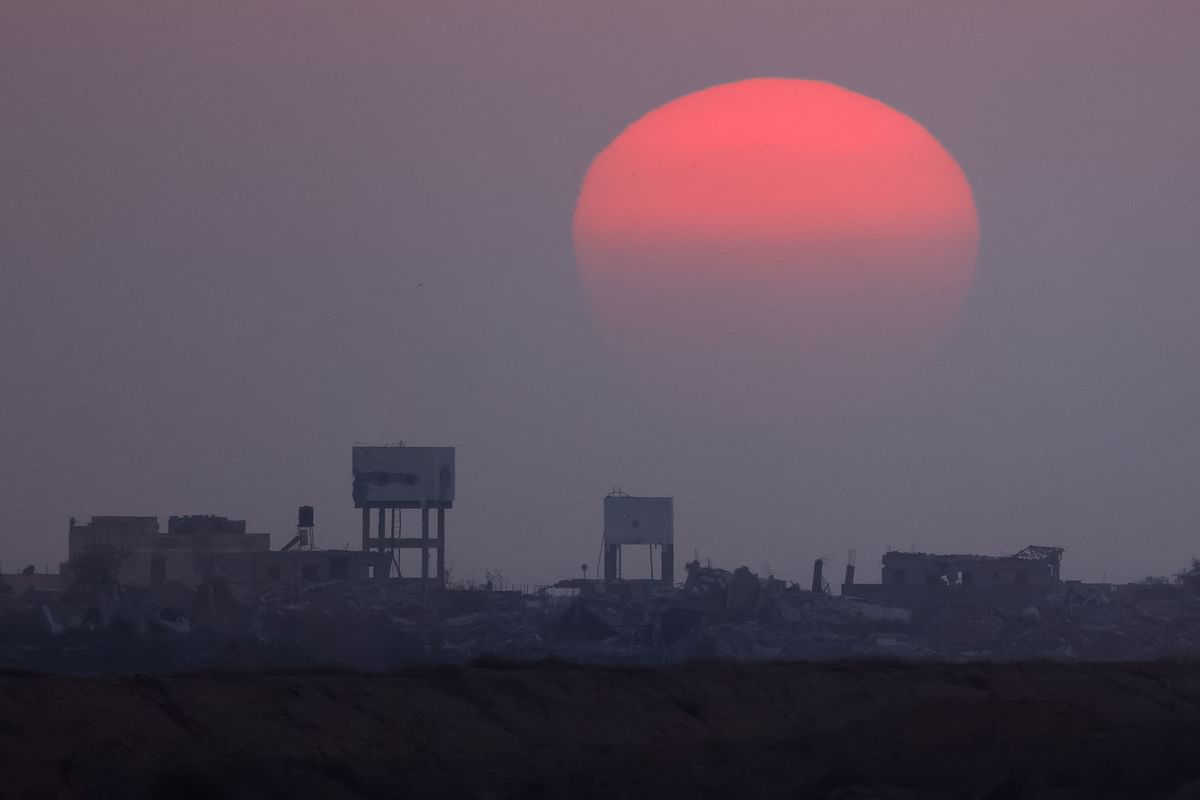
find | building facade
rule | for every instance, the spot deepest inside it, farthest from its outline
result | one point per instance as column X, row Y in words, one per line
column 142, row 555
column 910, row 579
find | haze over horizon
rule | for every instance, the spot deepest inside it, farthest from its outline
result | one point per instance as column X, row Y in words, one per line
column 236, row 242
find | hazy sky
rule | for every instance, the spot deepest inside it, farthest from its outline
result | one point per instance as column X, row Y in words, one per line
column 215, row 217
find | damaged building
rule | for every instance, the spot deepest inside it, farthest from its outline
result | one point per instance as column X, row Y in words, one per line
column 143, row 555
column 254, row 571
column 918, row 578
column 201, row 547
column 297, row 564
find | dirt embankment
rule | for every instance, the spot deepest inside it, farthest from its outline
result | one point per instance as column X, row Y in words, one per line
column 797, row 731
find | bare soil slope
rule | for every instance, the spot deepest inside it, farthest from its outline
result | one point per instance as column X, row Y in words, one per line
column 854, row 730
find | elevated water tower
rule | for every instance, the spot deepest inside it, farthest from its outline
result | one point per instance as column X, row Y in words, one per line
column 638, row 521
column 390, row 480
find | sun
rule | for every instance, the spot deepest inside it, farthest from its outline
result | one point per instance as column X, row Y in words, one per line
column 774, row 241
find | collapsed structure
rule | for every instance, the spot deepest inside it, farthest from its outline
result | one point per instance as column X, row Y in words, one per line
column 195, row 549
column 144, row 556
column 916, row 578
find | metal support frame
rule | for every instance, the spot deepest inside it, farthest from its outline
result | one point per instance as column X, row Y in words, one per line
column 388, row 536
column 612, row 562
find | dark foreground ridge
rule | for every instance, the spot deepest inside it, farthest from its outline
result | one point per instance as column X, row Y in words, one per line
column 497, row 730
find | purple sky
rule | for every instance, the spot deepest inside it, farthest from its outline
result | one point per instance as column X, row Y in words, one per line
column 214, row 221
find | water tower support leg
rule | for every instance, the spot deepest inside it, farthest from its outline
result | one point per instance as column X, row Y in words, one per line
column 441, row 546
column 425, row 543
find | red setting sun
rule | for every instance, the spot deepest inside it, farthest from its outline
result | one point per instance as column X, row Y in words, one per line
column 775, row 242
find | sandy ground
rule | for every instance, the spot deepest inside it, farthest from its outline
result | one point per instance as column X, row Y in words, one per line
column 854, row 730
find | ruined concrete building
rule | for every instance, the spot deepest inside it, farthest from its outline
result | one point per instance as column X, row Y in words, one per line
column 296, row 564
column 144, row 556
column 246, row 572
column 910, row 578
column 197, row 548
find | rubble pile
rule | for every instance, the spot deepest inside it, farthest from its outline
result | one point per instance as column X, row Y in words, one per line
column 716, row 614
